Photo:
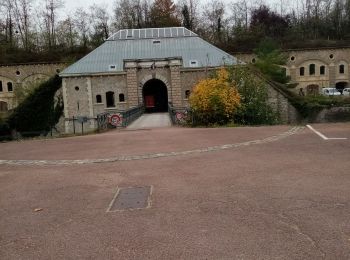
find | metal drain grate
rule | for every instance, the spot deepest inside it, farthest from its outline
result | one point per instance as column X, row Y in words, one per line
column 131, row 198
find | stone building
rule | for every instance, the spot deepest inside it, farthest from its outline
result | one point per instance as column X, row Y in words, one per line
column 314, row 69
column 21, row 78
column 136, row 67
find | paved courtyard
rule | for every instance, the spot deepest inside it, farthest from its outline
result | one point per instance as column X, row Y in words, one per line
column 279, row 192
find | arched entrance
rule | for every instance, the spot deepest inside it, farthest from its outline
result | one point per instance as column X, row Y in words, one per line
column 341, row 85
column 3, row 106
column 312, row 90
column 155, row 96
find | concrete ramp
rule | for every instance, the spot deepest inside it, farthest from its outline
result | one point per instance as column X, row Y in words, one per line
column 153, row 120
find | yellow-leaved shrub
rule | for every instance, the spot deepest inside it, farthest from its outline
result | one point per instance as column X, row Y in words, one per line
column 215, row 100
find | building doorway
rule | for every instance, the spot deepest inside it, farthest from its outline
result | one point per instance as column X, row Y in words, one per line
column 341, row 85
column 312, row 90
column 155, row 96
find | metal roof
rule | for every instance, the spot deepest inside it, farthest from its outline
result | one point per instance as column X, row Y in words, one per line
column 148, row 44
column 151, row 33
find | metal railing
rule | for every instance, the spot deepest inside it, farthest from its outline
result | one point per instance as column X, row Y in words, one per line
column 124, row 117
column 179, row 115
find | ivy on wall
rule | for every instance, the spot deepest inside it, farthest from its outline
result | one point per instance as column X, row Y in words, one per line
column 40, row 110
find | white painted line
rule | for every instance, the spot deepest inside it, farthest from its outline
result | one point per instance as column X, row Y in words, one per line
column 322, row 135
column 317, row 132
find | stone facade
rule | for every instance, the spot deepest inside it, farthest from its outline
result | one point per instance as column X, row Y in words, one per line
column 23, row 76
column 80, row 93
column 314, row 69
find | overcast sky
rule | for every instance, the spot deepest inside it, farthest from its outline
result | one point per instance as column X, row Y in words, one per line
column 71, row 5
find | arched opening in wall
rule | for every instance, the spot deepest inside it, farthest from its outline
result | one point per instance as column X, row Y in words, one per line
column 121, row 97
column 1, row 86
column 302, row 71
column 312, row 90
column 110, row 99
column 341, row 69
column 341, row 85
column 322, row 70
column 98, row 99
column 155, row 96
column 3, row 106
column 9, row 87
column 312, row 69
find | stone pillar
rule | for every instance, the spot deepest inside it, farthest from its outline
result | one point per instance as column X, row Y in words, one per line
column 132, row 86
column 175, row 94
column 65, row 105
column 332, row 75
column 293, row 74
column 90, row 102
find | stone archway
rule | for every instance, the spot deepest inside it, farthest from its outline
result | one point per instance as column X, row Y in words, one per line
column 341, row 85
column 312, row 90
column 155, row 96
column 3, row 106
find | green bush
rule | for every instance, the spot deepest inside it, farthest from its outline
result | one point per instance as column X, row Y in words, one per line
column 39, row 111
column 270, row 61
column 255, row 108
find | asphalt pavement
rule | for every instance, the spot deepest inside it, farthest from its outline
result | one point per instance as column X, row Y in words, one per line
column 278, row 192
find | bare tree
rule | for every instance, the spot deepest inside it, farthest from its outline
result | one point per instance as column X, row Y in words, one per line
column 131, row 14
column 51, row 8
column 66, row 33
column 100, row 20
column 81, row 22
column 22, row 14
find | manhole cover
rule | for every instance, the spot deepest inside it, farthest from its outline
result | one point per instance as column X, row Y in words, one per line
column 131, row 198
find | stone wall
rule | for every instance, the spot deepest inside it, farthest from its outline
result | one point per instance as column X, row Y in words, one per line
column 80, row 92
column 334, row 114
column 24, row 76
column 287, row 113
column 330, row 58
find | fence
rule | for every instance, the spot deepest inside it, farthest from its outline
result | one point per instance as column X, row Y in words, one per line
column 179, row 115
column 119, row 118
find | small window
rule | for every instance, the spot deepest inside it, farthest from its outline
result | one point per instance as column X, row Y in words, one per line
column 110, row 99
column 76, row 88
column 9, row 87
column 156, row 41
column 98, row 99
column 187, row 94
column 18, row 73
column 302, row 71
column 1, row 86
column 292, row 58
column 121, row 97
column 193, row 63
column 312, row 69
column 253, row 60
column 342, row 69
column 331, row 56
column 112, row 67
column 322, row 70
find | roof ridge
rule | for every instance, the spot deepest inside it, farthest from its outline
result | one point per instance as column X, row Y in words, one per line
column 151, row 33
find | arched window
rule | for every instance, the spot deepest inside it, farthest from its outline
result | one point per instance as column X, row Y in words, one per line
column 1, row 86
column 302, row 71
column 341, row 69
column 187, row 94
column 98, row 99
column 3, row 106
column 9, row 87
column 312, row 69
column 121, row 97
column 322, row 70
column 110, row 99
